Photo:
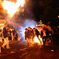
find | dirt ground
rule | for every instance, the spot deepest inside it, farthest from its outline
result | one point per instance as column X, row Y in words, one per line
column 20, row 50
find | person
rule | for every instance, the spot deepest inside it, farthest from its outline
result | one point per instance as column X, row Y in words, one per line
column 0, row 35
column 49, row 33
column 9, row 34
column 12, row 34
column 6, row 41
column 27, row 35
column 43, row 35
column 30, row 31
column 40, row 22
column 18, row 33
column 36, row 33
column 15, row 36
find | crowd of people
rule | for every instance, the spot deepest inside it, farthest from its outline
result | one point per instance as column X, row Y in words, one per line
column 30, row 34
column 10, row 34
column 45, row 34
column 7, row 34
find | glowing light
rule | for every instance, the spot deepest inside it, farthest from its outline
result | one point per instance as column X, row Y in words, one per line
column 12, row 7
column 1, row 24
column 58, row 16
column 36, row 40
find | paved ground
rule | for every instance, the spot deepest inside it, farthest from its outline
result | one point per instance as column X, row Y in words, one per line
column 19, row 50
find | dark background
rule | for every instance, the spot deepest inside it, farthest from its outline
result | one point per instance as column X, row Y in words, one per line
column 45, row 10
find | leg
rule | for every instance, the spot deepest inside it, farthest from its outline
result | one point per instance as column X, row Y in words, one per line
column 0, row 39
column 39, row 39
column 27, row 40
column 44, row 40
column 7, row 41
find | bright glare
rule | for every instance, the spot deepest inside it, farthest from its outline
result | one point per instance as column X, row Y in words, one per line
column 12, row 7
column 36, row 40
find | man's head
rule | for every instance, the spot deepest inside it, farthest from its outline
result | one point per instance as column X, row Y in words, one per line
column 34, row 29
column 26, row 29
column 29, row 28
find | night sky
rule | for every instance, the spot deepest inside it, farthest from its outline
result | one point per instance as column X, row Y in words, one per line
column 46, row 10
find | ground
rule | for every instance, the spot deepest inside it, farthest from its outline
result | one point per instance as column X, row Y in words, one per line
column 20, row 50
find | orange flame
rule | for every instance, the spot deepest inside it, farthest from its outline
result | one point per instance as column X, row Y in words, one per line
column 36, row 40
column 12, row 7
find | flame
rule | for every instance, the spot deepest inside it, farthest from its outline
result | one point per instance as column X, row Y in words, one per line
column 12, row 7
column 36, row 40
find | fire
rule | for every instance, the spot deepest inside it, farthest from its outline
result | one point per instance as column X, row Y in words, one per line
column 36, row 40
column 12, row 7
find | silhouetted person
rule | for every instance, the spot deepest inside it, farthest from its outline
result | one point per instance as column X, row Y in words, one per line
column 36, row 33
column 26, row 35
column 6, row 41
column 30, row 34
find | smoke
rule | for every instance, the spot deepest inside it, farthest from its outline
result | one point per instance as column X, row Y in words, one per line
column 27, row 23
column 22, row 17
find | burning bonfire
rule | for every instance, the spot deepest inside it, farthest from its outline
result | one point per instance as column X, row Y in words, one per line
column 36, row 40
column 12, row 7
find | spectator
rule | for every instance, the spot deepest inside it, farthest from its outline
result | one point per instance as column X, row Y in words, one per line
column 9, row 34
column 18, row 34
column 30, row 34
column 6, row 41
column 36, row 33
column 26, row 35
column 43, row 35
